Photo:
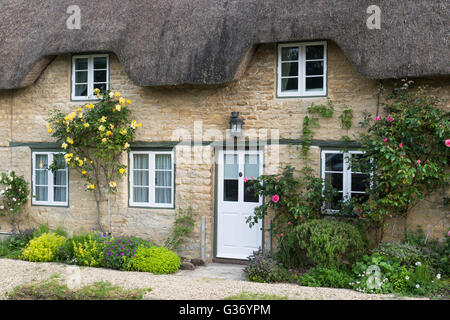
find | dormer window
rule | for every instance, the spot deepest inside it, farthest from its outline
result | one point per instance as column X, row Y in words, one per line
column 302, row 69
column 88, row 73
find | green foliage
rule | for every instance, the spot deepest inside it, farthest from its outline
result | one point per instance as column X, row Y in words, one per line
column 346, row 118
column 43, row 248
column 408, row 152
column 13, row 197
column 331, row 277
column 310, row 122
column 378, row 274
column 294, row 199
column 88, row 252
column 183, row 226
column 12, row 247
column 404, row 253
column 158, row 260
column 119, row 252
column 54, row 289
column 263, row 268
column 326, row 242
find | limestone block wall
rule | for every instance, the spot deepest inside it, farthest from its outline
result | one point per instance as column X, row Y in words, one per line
column 201, row 113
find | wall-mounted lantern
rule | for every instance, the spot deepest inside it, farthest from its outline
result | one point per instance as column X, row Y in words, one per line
column 236, row 124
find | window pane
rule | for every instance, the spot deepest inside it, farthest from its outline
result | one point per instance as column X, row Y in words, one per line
column 288, row 54
column 100, row 86
column 231, row 167
column 81, row 90
column 230, row 190
column 59, row 178
column 250, row 196
column 336, row 180
column 140, row 161
column 41, row 194
column 314, row 68
column 60, row 194
column 58, row 158
column 81, row 64
column 163, row 178
column 163, row 161
column 163, row 195
column 100, row 63
column 140, row 194
column 360, row 163
column 360, row 181
column 41, row 161
column 360, row 197
column 290, row 84
column 100, row 76
column 335, row 203
column 81, row 77
column 289, row 69
column 251, row 166
column 314, row 52
column 314, row 84
column 334, row 161
column 140, row 177
column 41, row 177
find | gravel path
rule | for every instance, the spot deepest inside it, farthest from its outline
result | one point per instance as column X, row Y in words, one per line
column 178, row 286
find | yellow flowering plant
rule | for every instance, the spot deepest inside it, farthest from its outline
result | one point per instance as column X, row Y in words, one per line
column 94, row 137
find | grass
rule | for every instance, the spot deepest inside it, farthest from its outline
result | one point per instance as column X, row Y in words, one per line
column 256, row 296
column 54, row 289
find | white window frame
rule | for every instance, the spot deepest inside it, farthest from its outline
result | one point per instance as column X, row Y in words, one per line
column 151, row 178
column 50, row 186
column 301, row 91
column 90, row 83
column 347, row 173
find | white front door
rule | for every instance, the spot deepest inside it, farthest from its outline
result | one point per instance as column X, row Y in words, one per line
column 235, row 239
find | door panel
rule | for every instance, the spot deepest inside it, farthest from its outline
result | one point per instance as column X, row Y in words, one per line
column 236, row 171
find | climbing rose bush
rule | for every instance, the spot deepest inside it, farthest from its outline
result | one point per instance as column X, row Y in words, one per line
column 13, row 196
column 94, row 137
column 409, row 152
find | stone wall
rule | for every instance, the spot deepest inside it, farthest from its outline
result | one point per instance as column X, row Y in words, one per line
column 173, row 113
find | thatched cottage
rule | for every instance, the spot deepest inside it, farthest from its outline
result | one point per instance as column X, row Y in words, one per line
column 187, row 65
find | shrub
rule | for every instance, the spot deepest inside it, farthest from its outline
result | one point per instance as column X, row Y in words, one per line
column 88, row 252
column 320, row 276
column 378, row 274
column 327, row 242
column 159, row 260
column 43, row 248
column 403, row 253
column 118, row 252
column 263, row 268
column 12, row 198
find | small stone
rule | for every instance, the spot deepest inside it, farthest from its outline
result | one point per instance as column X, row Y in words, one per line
column 198, row 262
column 187, row 266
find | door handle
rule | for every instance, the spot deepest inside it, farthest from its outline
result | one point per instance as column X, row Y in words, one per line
column 240, row 174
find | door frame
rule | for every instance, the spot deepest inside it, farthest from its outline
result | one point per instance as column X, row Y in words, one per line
column 218, row 152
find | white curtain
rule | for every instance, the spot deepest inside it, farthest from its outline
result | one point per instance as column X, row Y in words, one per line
column 140, row 178
column 41, row 175
column 163, row 178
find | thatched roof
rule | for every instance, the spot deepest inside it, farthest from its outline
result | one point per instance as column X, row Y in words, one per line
column 170, row 42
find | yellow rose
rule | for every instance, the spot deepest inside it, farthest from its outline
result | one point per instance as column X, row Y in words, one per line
column 117, row 94
column 69, row 140
column 122, row 101
column 129, row 101
column 112, row 184
column 92, row 187
column 104, row 140
column 126, row 145
column 80, row 162
column 49, row 130
column 103, row 119
column 108, row 133
column 79, row 109
column 118, row 107
column 48, row 125
column 83, row 172
column 101, row 128
column 123, row 131
column 111, row 95
column 111, row 126
column 86, row 125
column 96, row 90
column 64, row 145
column 121, row 170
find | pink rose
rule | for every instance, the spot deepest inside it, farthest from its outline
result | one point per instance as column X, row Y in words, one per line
column 390, row 119
column 400, row 145
column 418, row 161
column 447, row 143
column 253, row 178
column 275, row 198
column 377, row 118
column 385, row 140
column 281, row 234
column 245, row 179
